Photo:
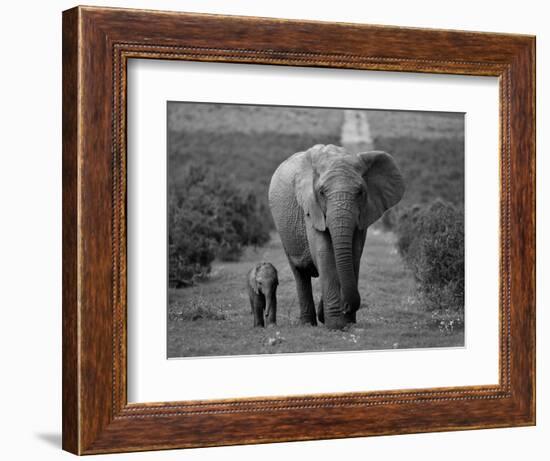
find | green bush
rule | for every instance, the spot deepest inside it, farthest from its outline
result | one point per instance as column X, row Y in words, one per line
column 210, row 216
column 431, row 241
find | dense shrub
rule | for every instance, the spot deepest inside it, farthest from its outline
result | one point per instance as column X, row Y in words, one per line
column 210, row 216
column 190, row 248
column 406, row 228
column 431, row 241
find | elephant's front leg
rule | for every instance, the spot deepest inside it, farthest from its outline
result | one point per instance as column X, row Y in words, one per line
column 258, row 305
column 305, row 297
column 271, row 313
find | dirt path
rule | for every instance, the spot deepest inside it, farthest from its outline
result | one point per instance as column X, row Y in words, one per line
column 356, row 133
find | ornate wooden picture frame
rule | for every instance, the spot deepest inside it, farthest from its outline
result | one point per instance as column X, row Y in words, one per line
column 97, row 44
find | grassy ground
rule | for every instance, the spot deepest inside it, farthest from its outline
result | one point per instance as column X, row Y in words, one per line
column 389, row 317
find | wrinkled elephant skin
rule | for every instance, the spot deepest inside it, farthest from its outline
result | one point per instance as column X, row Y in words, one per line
column 322, row 201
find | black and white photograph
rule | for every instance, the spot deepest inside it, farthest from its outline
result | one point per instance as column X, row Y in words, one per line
column 313, row 229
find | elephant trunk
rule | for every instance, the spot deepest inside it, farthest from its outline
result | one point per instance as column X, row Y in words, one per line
column 341, row 223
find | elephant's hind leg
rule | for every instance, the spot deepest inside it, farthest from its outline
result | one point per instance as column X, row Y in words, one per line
column 305, row 297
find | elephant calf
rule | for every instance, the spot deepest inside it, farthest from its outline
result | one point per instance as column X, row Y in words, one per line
column 262, row 284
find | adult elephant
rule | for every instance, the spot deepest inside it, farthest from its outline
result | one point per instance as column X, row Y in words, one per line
column 323, row 200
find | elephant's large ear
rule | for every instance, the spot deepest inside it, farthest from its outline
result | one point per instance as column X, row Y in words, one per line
column 305, row 193
column 385, row 185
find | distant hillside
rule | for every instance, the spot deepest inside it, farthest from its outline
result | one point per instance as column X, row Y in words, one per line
column 248, row 142
column 416, row 124
column 230, row 118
